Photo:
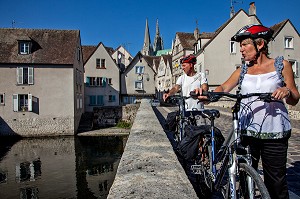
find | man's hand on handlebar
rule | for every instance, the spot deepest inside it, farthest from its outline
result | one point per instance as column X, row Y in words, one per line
column 198, row 93
column 165, row 96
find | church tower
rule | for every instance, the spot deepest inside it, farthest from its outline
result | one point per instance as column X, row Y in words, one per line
column 158, row 42
column 147, row 47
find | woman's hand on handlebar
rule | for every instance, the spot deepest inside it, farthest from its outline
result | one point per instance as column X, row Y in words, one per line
column 281, row 93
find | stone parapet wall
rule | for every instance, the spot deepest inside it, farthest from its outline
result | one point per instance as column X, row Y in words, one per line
column 149, row 168
column 32, row 127
column 129, row 112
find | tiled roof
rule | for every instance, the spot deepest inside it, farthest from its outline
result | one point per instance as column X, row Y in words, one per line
column 87, row 51
column 153, row 61
column 110, row 50
column 278, row 27
column 187, row 40
column 167, row 58
column 48, row 46
column 207, row 35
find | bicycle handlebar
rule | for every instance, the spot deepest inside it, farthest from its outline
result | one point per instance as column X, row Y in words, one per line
column 215, row 96
column 177, row 98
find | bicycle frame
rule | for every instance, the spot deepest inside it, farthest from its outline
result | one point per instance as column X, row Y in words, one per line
column 227, row 154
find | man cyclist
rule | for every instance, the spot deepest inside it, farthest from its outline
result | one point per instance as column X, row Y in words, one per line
column 188, row 82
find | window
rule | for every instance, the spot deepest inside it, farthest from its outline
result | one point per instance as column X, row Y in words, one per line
column 24, row 47
column 97, row 63
column 139, row 69
column 96, row 100
column 103, row 63
column 109, row 81
column 125, row 100
column 96, row 81
column 92, row 81
column 100, row 63
column 295, row 67
column 289, row 42
column 2, row 102
column 111, row 98
column 138, row 85
column 25, row 75
column 22, row 102
column 232, row 48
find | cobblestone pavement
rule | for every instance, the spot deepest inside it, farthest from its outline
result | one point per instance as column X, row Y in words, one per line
column 293, row 163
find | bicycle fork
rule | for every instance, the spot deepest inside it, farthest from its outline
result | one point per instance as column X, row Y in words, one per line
column 232, row 174
column 232, row 170
column 250, row 182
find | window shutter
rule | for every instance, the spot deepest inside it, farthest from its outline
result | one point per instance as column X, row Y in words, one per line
column 113, row 98
column 100, row 99
column 104, row 81
column 92, row 100
column 29, row 102
column 15, row 102
column 30, row 75
column 87, row 81
column 19, row 75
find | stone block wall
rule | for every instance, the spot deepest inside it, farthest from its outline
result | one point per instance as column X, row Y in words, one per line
column 32, row 127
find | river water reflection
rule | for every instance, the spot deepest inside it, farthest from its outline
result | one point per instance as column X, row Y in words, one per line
column 61, row 167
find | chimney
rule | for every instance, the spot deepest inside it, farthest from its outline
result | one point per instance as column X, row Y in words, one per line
column 196, row 33
column 252, row 9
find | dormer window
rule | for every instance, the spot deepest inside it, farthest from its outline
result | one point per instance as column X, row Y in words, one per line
column 24, row 47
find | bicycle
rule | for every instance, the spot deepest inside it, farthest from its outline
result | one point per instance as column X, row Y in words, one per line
column 183, row 117
column 235, row 177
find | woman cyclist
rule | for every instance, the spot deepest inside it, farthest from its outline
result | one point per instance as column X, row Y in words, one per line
column 266, row 126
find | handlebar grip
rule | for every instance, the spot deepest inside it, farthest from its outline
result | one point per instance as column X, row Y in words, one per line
column 193, row 94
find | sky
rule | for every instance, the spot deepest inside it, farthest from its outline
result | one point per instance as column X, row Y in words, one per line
column 122, row 22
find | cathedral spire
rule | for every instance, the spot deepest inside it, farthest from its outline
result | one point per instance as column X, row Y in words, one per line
column 158, row 42
column 147, row 47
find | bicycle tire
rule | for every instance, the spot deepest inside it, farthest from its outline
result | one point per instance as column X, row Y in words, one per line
column 260, row 190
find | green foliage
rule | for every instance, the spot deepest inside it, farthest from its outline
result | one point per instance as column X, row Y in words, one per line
column 124, row 125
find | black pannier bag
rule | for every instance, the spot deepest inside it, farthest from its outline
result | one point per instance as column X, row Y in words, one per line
column 188, row 147
column 171, row 121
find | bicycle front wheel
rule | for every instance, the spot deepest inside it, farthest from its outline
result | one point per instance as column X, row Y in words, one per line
column 250, row 184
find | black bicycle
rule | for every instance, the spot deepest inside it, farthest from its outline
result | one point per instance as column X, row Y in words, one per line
column 228, row 170
column 182, row 118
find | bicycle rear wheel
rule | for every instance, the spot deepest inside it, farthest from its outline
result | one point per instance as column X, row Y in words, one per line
column 250, row 184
